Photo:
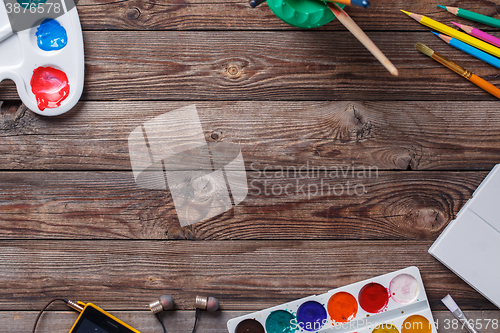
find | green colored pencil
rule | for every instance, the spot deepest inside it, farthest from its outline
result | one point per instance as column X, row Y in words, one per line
column 467, row 14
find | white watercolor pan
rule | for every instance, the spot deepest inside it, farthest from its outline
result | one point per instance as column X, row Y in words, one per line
column 20, row 55
column 392, row 303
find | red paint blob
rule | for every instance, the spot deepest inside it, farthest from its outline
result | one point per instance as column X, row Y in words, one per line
column 373, row 297
column 50, row 87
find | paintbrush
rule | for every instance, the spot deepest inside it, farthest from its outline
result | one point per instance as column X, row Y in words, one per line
column 358, row 3
column 349, row 23
column 453, row 307
column 483, row 84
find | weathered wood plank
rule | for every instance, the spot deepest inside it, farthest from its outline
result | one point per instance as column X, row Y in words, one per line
column 295, row 65
column 387, row 205
column 250, row 275
column 386, row 135
column 238, row 15
column 182, row 321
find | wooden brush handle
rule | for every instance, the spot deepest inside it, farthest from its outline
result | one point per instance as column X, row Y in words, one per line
column 349, row 23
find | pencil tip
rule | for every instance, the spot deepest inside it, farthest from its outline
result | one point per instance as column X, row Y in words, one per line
column 395, row 72
column 446, row 39
column 404, row 11
column 442, row 7
column 457, row 24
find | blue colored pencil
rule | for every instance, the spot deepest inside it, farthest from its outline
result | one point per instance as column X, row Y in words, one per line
column 470, row 50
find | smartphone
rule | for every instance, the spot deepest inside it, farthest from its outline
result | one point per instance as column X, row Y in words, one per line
column 95, row 320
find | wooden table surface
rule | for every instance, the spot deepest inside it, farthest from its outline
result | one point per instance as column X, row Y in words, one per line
column 74, row 224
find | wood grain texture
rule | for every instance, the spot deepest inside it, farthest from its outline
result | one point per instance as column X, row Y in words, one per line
column 238, row 15
column 74, row 224
column 295, row 65
column 388, row 135
column 250, row 275
column 182, row 321
column 387, row 205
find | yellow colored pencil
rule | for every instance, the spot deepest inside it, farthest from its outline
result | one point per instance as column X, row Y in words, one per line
column 455, row 33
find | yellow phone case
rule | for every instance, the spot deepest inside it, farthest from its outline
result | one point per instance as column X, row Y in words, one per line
column 104, row 312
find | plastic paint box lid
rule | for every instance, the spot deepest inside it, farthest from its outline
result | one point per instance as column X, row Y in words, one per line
column 305, row 14
column 470, row 244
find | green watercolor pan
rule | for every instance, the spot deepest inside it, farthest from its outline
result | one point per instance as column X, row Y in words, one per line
column 391, row 303
column 305, row 14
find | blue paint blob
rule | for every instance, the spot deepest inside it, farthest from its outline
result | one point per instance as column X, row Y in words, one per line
column 51, row 36
column 280, row 321
column 311, row 316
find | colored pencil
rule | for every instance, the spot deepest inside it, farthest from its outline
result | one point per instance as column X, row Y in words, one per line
column 348, row 22
column 255, row 3
column 358, row 3
column 481, row 83
column 494, row 61
column 455, row 33
column 478, row 33
column 467, row 14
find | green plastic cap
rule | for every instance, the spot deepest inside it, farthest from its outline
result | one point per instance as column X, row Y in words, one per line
column 305, row 14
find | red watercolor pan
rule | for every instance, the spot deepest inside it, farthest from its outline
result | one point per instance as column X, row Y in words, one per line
column 373, row 297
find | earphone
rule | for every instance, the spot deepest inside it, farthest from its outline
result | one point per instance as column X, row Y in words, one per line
column 166, row 302
column 210, row 304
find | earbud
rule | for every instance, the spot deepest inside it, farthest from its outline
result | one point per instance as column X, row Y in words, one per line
column 166, row 302
column 210, row 304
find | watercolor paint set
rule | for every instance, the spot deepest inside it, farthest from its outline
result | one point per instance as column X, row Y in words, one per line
column 46, row 61
column 392, row 303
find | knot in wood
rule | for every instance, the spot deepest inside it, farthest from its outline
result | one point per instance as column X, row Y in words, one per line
column 233, row 71
column 133, row 13
column 216, row 136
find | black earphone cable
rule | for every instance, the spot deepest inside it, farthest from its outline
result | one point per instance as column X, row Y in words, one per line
column 196, row 315
column 160, row 319
column 158, row 316
column 45, row 307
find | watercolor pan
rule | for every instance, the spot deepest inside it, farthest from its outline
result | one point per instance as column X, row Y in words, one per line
column 392, row 303
column 46, row 63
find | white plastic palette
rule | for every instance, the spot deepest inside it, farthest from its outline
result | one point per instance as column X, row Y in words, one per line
column 407, row 309
column 20, row 55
